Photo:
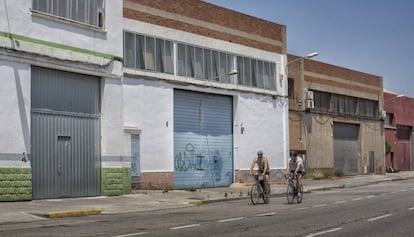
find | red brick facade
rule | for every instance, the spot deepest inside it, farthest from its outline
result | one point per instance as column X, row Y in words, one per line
column 208, row 20
column 399, row 131
column 157, row 180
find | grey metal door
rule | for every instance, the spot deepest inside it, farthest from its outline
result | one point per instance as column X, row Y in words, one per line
column 371, row 162
column 203, row 140
column 64, row 134
column 346, row 148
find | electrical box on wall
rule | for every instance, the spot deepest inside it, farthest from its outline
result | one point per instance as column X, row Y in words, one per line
column 309, row 95
column 310, row 104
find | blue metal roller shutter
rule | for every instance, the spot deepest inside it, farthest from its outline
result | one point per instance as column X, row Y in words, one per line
column 203, row 140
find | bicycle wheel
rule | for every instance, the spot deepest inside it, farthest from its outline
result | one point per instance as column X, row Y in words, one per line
column 254, row 194
column 290, row 193
column 300, row 194
column 266, row 195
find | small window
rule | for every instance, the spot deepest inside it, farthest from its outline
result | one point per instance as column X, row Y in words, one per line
column 389, row 118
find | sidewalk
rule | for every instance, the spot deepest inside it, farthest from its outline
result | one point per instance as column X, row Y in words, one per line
column 144, row 200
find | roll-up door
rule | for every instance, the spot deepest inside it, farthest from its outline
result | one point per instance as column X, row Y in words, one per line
column 346, row 148
column 203, row 140
column 64, row 134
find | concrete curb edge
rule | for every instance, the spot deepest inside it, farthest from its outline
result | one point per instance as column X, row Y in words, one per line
column 74, row 213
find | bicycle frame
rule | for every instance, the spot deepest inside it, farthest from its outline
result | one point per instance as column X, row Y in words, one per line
column 292, row 190
column 257, row 190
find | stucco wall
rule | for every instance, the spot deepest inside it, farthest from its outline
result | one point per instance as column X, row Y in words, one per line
column 148, row 105
column 114, row 152
column 14, row 114
column 319, row 143
column 372, row 139
column 265, row 128
column 17, row 18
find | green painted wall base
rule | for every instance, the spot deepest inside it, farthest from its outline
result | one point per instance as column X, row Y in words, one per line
column 116, row 181
column 15, row 184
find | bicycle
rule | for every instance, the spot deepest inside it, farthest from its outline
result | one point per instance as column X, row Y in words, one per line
column 257, row 192
column 292, row 190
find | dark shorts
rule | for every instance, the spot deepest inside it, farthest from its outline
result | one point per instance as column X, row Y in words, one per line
column 300, row 172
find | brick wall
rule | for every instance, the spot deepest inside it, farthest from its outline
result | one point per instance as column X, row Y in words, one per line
column 209, row 20
column 157, row 180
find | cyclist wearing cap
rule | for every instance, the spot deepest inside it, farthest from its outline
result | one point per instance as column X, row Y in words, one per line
column 263, row 165
column 295, row 167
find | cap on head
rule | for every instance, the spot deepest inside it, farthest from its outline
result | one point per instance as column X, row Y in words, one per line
column 260, row 152
column 293, row 153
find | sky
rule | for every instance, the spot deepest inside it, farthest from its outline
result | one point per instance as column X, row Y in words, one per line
column 371, row 36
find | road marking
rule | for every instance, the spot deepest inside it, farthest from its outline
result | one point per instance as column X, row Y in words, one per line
column 233, row 219
column 410, row 209
column 324, row 232
column 356, row 199
column 132, row 234
column 412, row 188
column 184, row 226
column 394, row 192
column 340, row 201
column 404, row 190
column 320, row 205
column 370, row 196
column 302, row 208
column 266, row 214
column 379, row 217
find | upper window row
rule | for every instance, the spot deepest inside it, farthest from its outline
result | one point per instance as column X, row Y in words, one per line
column 89, row 12
column 158, row 55
column 345, row 105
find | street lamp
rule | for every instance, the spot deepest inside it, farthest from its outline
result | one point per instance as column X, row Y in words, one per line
column 230, row 73
column 309, row 55
column 304, row 135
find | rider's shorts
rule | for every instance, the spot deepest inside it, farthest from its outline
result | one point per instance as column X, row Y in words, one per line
column 300, row 172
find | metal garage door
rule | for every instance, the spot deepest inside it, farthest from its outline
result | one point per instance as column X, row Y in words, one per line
column 203, row 140
column 64, row 134
column 346, row 148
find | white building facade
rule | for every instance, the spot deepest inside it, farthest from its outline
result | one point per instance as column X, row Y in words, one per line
column 61, row 74
column 104, row 95
column 203, row 95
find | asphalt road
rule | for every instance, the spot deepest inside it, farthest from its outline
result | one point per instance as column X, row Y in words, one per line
column 385, row 209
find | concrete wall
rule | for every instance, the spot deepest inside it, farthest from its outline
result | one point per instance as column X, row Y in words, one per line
column 14, row 114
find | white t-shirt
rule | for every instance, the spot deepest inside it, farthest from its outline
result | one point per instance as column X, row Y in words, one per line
column 293, row 164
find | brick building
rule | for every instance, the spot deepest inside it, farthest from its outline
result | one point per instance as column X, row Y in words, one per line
column 334, row 117
column 398, row 124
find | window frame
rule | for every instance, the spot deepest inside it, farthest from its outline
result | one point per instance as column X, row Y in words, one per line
column 52, row 12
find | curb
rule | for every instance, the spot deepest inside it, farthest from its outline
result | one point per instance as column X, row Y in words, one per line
column 73, row 213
